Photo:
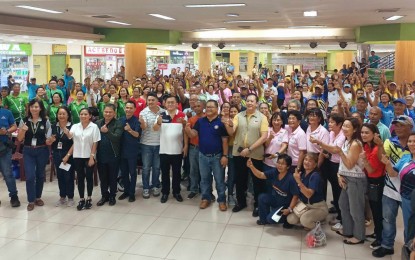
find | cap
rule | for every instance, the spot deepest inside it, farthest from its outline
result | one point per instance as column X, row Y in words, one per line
column 405, row 120
column 32, row 78
column 393, row 83
column 399, row 100
column 347, row 86
column 318, row 86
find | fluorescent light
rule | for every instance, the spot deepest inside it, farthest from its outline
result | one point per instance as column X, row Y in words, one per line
column 393, row 18
column 307, row 26
column 233, row 45
column 246, row 21
column 214, row 5
column 116, row 22
column 162, row 16
column 310, row 13
column 232, row 15
column 38, row 9
column 25, row 37
column 210, row 29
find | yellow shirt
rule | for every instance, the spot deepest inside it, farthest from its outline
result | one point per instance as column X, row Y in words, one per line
column 263, row 127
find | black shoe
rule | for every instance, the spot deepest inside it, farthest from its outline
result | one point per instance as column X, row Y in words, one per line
column 112, row 201
column 88, row 204
column 81, row 205
column 382, row 252
column 164, row 198
column 287, row 225
column 102, row 201
column 14, row 201
column 259, row 222
column 255, row 213
column 375, row 245
column 238, row 208
column 191, row 195
column 178, row 197
column 212, row 198
column 332, row 210
column 131, row 199
column 123, row 196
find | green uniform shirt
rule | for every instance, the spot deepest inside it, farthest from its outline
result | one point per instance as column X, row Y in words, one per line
column 75, row 108
column 17, row 105
column 51, row 92
column 52, row 113
column 120, row 109
column 101, row 106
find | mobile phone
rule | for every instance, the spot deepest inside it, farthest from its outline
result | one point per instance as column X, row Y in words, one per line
column 267, row 155
column 240, row 149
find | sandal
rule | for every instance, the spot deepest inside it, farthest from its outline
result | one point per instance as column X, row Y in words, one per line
column 343, row 235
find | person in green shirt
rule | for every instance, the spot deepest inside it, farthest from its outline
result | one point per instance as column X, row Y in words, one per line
column 124, row 97
column 16, row 103
column 54, row 107
column 53, row 89
column 101, row 105
column 76, row 106
column 41, row 96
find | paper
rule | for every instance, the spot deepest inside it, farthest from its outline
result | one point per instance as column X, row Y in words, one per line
column 277, row 215
column 65, row 167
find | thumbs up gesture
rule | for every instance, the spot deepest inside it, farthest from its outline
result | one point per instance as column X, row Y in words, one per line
column 127, row 127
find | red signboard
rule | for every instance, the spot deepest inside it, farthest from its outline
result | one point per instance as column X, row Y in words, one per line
column 162, row 66
column 103, row 51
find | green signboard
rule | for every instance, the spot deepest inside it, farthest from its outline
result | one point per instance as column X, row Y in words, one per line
column 16, row 49
column 374, row 75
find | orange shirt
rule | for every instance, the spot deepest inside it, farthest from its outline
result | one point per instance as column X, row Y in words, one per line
column 192, row 122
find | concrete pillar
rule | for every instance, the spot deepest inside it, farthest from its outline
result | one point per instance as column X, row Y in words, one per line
column 404, row 61
column 205, row 59
column 135, row 60
column 234, row 59
column 251, row 62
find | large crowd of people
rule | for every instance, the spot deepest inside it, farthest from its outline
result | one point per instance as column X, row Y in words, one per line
column 280, row 137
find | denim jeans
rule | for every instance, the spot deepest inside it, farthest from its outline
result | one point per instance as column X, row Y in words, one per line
column 151, row 161
column 5, row 168
column 406, row 213
column 35, row 160
column 389, row 211
column 129, row 175
column 267, row 206
column 268, row 184
column 209, row 166
column 231, row 172
column 194, row 168
column 65, row 178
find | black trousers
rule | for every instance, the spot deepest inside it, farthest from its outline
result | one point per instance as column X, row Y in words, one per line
column 329, row 172
column 84, row 171
column 108, row 173
column 241, row 179
column 376, row 206
column 173, row 161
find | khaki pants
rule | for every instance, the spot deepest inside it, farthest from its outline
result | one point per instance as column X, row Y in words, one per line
column 316, row 212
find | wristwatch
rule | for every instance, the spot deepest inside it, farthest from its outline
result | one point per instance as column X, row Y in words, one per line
column 224, row 155
column 290, row 209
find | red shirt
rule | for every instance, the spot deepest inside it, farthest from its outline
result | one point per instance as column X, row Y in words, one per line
column 140, row 104
column 373, row 160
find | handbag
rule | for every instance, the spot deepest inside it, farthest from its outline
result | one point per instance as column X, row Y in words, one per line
column 300, row 208
column 374, row 192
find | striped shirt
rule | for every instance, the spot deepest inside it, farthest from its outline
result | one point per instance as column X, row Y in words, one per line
column 149, row 136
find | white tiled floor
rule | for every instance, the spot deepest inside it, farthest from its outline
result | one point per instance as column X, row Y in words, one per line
column 147, row 229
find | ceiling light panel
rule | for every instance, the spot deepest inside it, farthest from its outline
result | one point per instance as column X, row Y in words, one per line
column 120, row 23
column 246, row 21
column 38, row 9
column 393, row 18
column 162, row 17
column 310, row 13
column 214, row 5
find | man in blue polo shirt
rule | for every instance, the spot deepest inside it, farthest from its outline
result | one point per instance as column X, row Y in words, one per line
column 8, row 126
column 31, row 86
column 213, row 153
column 68, row 78
column 130, row 144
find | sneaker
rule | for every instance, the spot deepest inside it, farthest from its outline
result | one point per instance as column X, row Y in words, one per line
column 156, row 192
column 61, row 202
column 14, row 201
column 231, row 200
column 191, row 195
column 375, row 244
column 81, row 205
column 337, row 227
column 70, row 203
column 88, row 204
column 381, row 252
column 146, row 193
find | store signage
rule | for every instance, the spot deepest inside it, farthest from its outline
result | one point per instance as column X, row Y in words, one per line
column 16, row 49
column 59, row 49
column 103, row 51
column 162, row 66
column 157, row 53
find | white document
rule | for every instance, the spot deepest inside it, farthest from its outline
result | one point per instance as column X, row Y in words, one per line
column 277, row 215
column 65, row 167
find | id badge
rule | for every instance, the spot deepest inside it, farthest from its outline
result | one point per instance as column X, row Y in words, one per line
column 59, row 146
column 34, row 141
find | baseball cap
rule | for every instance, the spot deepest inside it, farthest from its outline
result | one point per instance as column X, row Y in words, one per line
column 405, row 120
column 399, row 100
column 347, row 86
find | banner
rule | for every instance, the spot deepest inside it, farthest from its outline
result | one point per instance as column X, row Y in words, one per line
column 374, row 75
column 16, row 49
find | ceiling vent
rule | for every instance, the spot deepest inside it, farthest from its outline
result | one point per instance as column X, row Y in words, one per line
column 244, row 27
column 388, row 10
column 102, row 16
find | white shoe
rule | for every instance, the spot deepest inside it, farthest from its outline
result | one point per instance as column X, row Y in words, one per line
column 156, row 192
column 61, row 202
column 146, row 193
column 70, row 203
column 337, row 227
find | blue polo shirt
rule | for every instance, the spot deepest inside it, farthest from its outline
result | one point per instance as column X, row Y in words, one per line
column 32, row 90
column 130, row 144
column 210, row 135
column 312, row 181
column 283, row 190
column 6, row 120
column 68, row 81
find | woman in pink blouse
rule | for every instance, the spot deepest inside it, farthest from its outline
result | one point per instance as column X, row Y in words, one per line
column 277, row 141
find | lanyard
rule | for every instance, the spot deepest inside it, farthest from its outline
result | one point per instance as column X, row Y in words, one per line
column 76, row 110
column 34, row 128
column 59, row 131
column 19, row 108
